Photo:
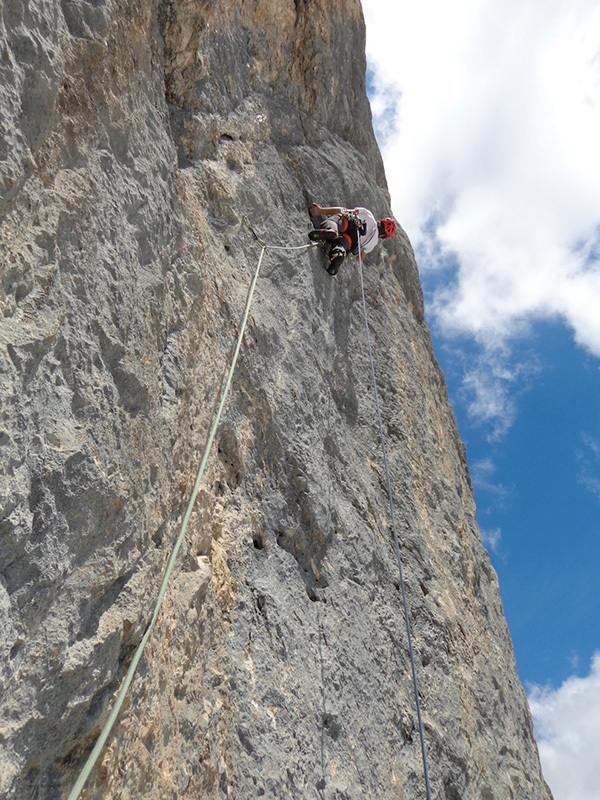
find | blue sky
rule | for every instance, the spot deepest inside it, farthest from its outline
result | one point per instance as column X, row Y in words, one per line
column 488, row 116
column 538, row 500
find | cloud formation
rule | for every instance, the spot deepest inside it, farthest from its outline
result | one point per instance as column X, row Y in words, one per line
column 567, row 723
column 588, row 457
column 491, row 539
column 489, row 117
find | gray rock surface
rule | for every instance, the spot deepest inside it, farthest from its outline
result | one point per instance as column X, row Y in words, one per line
column 133, row 139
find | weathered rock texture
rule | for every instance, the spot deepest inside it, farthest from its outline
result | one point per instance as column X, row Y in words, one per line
column 134, row 137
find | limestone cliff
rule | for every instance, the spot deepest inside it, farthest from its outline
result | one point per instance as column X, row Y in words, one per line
column 133, row 138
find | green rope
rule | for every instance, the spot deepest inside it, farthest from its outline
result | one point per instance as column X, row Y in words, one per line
column 95, row 754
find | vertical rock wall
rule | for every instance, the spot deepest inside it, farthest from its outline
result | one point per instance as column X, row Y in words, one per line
column 133, row 138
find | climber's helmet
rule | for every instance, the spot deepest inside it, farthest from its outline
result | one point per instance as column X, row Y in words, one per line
column 386, row 227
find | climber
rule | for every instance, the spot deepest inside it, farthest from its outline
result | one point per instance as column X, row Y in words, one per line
column 341, row 229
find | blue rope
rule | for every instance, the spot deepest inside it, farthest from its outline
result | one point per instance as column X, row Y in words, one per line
column 394, row 529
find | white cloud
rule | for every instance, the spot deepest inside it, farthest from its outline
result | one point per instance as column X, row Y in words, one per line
column 492, row 379
column 486, row 388
column 589, row 464
column 567, row 723
column 483, row 474
column 491, row 539
column 488, row 115
column 490, row 118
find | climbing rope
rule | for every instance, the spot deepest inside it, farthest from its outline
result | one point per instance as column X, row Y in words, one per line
column 118, row 704
column 274, row 246
column 95, row 754
column 394, row 529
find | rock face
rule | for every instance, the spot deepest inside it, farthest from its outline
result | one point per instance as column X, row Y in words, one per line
column 134, row 137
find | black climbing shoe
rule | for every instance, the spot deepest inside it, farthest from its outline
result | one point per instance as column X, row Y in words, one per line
column 335, row 262
column 322, row 235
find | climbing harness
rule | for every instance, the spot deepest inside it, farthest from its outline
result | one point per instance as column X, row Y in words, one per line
column 394, row 529
column 349, row 228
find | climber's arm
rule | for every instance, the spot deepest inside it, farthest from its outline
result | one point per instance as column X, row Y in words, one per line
column 327, row 211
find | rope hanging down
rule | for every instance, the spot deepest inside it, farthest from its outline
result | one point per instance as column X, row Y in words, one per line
column 104, row 734
column 394, row 529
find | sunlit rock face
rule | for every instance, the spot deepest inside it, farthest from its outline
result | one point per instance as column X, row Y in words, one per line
column 134, row 137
